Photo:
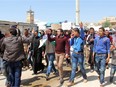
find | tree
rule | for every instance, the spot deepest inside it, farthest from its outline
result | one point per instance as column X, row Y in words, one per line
column 106, row 24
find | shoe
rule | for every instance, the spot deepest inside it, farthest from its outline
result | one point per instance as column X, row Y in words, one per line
column 56, row 73
column 101, row 85
column 111, row 79
column 61, row 81
column 42, row 69
column 85, row 81
column 98, row 77
column 35, row 73
column 92, row 70
column 47, row 77
column 8, row 85
column 70, row 83
column 107, row 67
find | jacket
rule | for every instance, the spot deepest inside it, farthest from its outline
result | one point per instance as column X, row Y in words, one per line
column 13, row 48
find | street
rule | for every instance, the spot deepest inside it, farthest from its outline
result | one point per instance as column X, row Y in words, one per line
column 29, row 80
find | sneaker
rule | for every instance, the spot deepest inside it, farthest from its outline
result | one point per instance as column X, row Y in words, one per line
column 47, row 77
column 34, row 73
column 107, row 67
column 101, row 85
column 56, row 73
column 61, row 81
column 70, row 83
column 111, row 79
column 8, row 85
column 85, row 81
column 98, row 77
column 92, row 70
column 0, row 72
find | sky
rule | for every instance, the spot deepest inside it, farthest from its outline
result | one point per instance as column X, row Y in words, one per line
column 56, row 10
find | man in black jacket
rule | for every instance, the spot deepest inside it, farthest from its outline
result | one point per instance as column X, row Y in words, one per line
column 1, row 52
column 13, row 56
column 90, row 42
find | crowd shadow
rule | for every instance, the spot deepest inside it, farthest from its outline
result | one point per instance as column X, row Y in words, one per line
column 67, row 74
column 40, row 85
column 28, row 82
column 107, row 79
column 92, row 78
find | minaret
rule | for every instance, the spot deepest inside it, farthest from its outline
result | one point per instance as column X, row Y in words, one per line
column 77, row 12
column 30, row 16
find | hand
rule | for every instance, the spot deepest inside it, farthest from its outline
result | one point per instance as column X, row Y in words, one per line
column 47, row 32
column 43, row 53
column 72, row 36
column 81, row 25
column 33, row 31
column 66, row 56
column 91, row 40
column 107, row 60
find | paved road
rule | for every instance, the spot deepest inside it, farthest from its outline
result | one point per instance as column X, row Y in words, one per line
column 29, row 80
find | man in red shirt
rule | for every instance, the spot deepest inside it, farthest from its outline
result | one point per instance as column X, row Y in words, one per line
column 61, row 51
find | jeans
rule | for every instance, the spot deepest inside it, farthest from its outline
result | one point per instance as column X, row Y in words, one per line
column 13, row 73
column 29, row 57
column 90, row 60
column 77, row 59
column 1, row 64
column 100, row 63
column 112, row 72
column 51, row 57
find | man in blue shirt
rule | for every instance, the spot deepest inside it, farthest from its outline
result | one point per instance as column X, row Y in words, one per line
column 101, row 51
column 77, row 55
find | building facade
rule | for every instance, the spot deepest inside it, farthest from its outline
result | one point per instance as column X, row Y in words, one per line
column 5, row 25
column 111, row 19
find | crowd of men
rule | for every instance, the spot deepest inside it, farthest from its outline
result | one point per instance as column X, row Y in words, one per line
column 25, row 51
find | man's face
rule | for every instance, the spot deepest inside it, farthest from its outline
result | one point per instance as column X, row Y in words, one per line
column 42, row 32
column 91, row 31
column 26, row 33
column 101, row 32
column 75, row 33
column 106, row 33
column 59, row 32
column 49, row 31
column 35, row 33
column 67, row 33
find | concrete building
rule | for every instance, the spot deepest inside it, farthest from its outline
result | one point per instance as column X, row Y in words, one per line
column 5, row 25
column 55, row 26
column 29, row 24
column 111, row 19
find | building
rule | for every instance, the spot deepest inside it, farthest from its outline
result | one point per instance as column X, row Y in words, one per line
column 5, row 25
column 111, row 19
column 30, row 16
column 55, row 26
column 29, row 24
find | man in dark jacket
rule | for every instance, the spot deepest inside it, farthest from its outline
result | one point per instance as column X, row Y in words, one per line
column 1, row 52
column 37, row 54
column 13, row 55
column 90, row 43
